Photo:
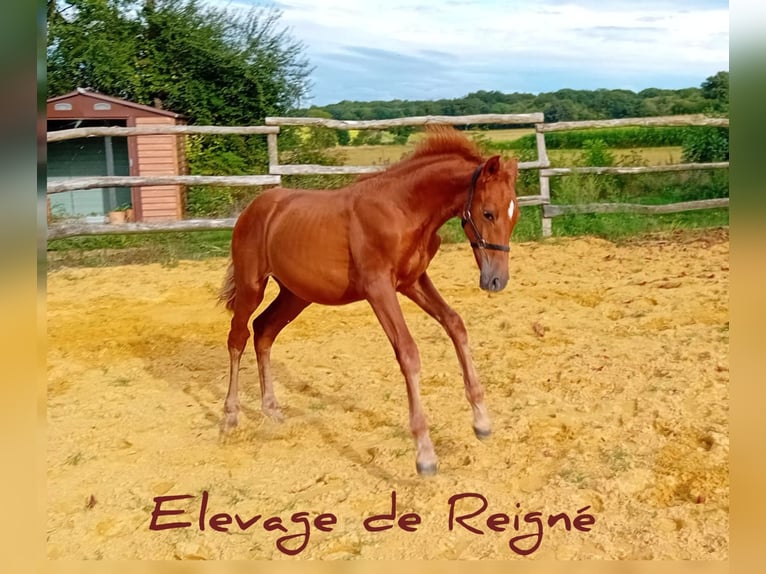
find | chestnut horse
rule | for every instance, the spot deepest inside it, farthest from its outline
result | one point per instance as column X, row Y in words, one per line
column 367, row 241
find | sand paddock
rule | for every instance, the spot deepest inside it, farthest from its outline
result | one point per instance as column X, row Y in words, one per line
column 606, row 373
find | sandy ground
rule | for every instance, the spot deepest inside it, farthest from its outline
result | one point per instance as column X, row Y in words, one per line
column 606, row 371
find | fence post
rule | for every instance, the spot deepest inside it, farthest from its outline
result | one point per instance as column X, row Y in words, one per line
column 545, row 192
column 545, row 184
column 271, row 141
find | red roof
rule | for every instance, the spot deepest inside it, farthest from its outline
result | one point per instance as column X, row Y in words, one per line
column 119, row 101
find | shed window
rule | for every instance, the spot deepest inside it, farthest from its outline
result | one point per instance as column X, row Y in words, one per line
column 102, row 106
column 63, row 107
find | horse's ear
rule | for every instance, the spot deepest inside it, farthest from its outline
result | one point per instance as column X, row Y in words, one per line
column 512, row 166
column 491, row 166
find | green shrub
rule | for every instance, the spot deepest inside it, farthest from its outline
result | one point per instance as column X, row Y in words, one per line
column 401, row 134
column 223, row 155
column 368, row 137
column 629, row 137
column 705, row 145
column 344, row 138
column 597, row 153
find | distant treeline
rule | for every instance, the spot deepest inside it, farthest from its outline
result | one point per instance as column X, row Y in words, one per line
column 563, row 105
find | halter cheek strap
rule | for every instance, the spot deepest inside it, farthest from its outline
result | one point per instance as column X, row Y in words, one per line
column 480, row 242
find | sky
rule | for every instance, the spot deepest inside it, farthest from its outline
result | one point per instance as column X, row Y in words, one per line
column 432, row 49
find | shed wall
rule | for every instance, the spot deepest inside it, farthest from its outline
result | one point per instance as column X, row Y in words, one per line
column 159, row 155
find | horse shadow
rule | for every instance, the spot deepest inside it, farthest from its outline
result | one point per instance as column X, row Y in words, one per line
column 200, row 370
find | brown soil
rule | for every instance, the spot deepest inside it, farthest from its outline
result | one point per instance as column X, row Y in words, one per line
column 606, row 371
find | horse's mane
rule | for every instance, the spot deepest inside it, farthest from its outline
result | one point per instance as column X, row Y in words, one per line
column 443, row 139
column 440, row 140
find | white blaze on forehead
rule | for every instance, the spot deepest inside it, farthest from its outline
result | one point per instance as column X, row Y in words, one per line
column 511, row 208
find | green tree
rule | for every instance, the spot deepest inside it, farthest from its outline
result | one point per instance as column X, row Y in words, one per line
column 91, row 44
column 212, row 65
column 559, row 111
column 716, row 90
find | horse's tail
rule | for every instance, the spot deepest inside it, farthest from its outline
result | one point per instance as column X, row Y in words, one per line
column 229, row 288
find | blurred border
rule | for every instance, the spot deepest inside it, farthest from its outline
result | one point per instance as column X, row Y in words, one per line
column 22, row 306
column 748, row 279
column 386, row 567
column 21, row 341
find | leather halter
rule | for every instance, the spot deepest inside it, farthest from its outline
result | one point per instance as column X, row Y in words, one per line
column 480, row 242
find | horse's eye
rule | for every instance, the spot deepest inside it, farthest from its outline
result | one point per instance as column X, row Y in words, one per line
column 489, row 216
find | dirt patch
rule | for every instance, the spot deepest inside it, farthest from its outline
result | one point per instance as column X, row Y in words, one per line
column 606, row 371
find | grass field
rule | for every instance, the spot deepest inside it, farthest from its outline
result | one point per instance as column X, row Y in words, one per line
column 647, row 155
column 390, row 153
column 387, row 154
column 506, row 135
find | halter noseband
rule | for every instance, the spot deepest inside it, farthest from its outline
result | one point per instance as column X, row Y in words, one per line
column 480, row 242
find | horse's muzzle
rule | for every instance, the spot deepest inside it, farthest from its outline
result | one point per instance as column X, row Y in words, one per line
column 493, row 282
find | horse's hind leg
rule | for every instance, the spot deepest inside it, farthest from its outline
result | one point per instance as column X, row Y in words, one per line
column 266, row 326
column 246, row 301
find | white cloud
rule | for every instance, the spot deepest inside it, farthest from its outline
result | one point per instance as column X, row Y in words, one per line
column 497, row 41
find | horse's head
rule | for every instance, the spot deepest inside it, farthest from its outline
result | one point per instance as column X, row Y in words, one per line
column 489, row 216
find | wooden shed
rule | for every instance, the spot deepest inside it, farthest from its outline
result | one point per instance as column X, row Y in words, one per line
column 148, row 155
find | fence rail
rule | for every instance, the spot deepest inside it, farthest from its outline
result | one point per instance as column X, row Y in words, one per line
column 313, row 169
column 657, row 121
column 554, row 210
column 272, row 129
column 76, row 133
column 618, row 170
column 73, row 183
column 83, row 229
column 476, row 119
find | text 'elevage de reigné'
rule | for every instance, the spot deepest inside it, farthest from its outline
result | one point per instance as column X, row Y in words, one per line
column 468, row 511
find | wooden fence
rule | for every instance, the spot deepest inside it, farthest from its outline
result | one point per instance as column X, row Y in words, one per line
column 272, row 129
column 549, row 211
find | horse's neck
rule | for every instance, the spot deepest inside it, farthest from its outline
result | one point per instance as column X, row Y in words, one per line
column 439, row 191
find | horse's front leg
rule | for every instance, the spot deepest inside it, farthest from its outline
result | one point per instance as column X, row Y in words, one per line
column 424, row 294
column 384, row 303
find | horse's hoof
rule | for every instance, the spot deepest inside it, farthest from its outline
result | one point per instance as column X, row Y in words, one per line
column 426, row 469
column 228, row 424
column 482, row 434
column 274, row 415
